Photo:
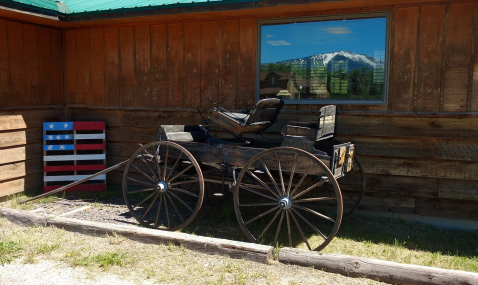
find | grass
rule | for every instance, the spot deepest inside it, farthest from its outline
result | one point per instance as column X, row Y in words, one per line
column 8, row 251
column 150, row 263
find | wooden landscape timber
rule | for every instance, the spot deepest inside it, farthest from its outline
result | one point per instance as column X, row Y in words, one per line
column 379, row 270
column 234, row 249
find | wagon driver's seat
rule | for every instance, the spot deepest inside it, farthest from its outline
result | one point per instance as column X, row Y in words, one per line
column 259, row 119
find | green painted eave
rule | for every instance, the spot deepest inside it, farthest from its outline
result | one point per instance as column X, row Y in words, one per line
column 86, row 7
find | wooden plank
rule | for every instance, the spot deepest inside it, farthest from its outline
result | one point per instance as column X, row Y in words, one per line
column 17, row 64
column 456, row 89
column 97, row 55
column 175, row 66
column 5, row 98
column 460, row 35
column 113, row 118
column 142, row 68
column 432, row 25
column 450, row 169
column 385, row 271
column 474, row 96
column 402, row 76
column 71, row 67
column 23, row 119
column 30, row 46
column 159, row 67
column 209, row 64
column 29, row 136
column 228, row 64
column 391, row 146
column 396, row 186
column 45, row 57
column 57, row 66
column 246, row 82
column 458, row 189
column 463, row 126
column 89, row 136
column 20, row 169
column 126, row 57
column 384, row 202
column 448, row 208
column 192, row 65
column 74, row 157
column 457, row 149
column 71, row 178
column 29, row 184
column 9, row 155
column 83, row 66
column 148, row 119
column 111, row 67
column 136, row 135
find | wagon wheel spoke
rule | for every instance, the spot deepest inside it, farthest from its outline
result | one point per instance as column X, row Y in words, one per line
column 257, row 204
column 269, row 224
column 144, row 200
column 174, row 167
column 288, row 228
column 175, row 208
column 184, row 182
column 159, row 210
column 165, row 163
column 278, row 228
column 183, row 191
column 257, row 192
column 261, row 215
column 143, row 190
column 292, row 174
column 300, row 181
column 181, row 201
column 149, row 166
column 314, row 212
column 141, row 182
column 181, row 173
column 309, row 223
column 270, row 177
column 151, row 205
column 156, row 159
column 300, row 230
column 167, row 212
column 320, row 183
column 262, row 183
column 315, row 199
column 137, row 168
column 280, row 175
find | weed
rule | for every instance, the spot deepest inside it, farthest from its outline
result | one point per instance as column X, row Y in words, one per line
column 103, row 260
column 8, row 251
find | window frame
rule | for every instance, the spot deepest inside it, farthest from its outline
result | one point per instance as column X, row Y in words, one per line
column 386, row 15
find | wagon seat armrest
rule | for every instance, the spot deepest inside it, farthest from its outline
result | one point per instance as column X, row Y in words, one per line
column 319, row 129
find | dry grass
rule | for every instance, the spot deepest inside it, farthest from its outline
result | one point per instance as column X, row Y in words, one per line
column 138, row 262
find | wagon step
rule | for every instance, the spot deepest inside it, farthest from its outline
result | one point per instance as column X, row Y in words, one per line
column 76, row 182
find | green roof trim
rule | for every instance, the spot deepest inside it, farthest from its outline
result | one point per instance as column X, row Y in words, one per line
column 85, row 7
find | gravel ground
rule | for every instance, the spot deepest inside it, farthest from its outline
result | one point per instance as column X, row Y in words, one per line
column 47, row 272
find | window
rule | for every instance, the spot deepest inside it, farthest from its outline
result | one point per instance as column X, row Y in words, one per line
column 334, row 59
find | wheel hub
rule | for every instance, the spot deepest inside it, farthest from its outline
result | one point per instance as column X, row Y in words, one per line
column 285, row 203
column 162, row 186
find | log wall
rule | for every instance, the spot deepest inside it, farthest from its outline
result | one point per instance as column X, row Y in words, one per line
column 30, row 81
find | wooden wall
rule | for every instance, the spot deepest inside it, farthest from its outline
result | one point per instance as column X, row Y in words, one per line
column 164, row 66
column 30, row 80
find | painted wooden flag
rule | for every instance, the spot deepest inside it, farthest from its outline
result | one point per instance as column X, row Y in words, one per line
column 73, row 151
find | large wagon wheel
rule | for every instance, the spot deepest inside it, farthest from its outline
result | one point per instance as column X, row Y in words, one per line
column 288, row 196
column 353, row 189
column 163, row 186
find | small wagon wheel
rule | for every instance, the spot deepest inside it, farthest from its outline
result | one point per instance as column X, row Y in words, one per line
column 288, row 196
column 353, row 189
column 163, row 186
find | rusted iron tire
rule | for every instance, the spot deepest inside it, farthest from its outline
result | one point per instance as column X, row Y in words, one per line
column 163, row 186
column 287, row 186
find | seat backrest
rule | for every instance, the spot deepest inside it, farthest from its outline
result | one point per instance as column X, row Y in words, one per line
column 326, row 122
column 266, row 112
